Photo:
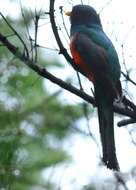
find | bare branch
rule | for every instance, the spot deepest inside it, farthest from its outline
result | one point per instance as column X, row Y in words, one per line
column 58, row 40
column 126, row 122
column 120, row 180
column 128, row 78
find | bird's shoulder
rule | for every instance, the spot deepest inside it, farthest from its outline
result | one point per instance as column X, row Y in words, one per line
column 93, row 32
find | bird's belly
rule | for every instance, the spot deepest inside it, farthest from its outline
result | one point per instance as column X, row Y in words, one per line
column 84, row 68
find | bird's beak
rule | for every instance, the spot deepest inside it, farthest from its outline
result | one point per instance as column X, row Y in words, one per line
column 68, row 13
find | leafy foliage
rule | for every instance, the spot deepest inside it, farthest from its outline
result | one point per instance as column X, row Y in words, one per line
column 32, row 123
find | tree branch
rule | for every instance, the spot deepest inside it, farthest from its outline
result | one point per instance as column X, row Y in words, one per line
column 44, row 73
column 126, row 122
column 63, row 50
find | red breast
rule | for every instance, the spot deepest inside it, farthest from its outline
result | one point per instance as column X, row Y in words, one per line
column 77, row 58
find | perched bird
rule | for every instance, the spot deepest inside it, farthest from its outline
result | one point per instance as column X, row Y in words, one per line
column 96, row 58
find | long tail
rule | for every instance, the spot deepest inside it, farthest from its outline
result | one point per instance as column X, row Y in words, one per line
column 106, row 125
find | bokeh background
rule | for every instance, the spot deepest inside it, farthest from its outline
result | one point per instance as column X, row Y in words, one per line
column 49, row 138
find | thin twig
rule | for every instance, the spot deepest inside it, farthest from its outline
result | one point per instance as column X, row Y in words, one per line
column 85, row 110
column 132, row 138
column 24, row 18
column 61, row 12
column 105, row 6
column 52, row 49
column 16, row 33
column 82, row 2
column 120, row 180
column 123, row 57
column 79, row 81
column 128, row 78
column 36, row 21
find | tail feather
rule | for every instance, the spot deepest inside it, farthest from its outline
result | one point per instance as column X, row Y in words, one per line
column 104, row 102
column 105, row 114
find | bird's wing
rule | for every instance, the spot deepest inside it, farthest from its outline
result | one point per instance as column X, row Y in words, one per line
column 96, row 58
column 93, row 55
column 100, row 38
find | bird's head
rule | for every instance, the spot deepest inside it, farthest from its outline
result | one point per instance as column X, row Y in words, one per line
column 83, row 15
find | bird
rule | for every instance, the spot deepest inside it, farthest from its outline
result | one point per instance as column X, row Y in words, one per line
column 96, row 58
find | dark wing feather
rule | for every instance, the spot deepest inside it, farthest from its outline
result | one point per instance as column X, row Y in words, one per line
column 96, row 58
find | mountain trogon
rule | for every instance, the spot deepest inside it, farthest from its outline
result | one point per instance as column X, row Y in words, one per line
column 96, row 58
